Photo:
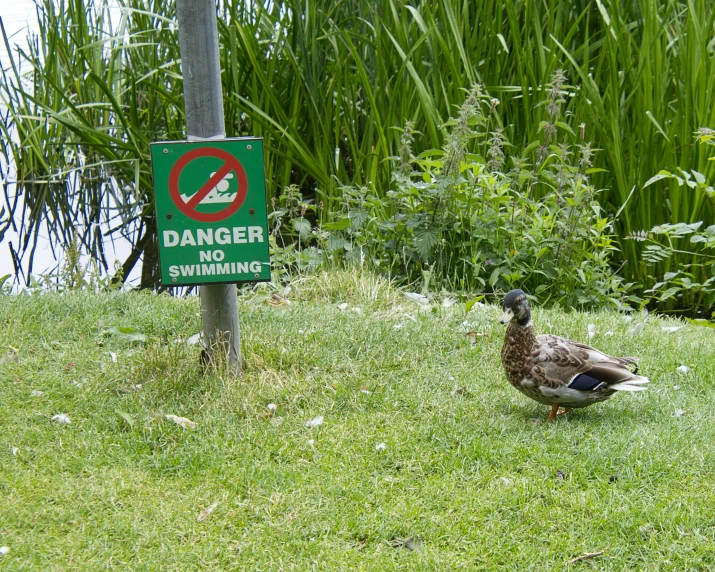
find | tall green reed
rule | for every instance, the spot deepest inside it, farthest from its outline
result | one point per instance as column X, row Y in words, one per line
column 85, row 98
column 327, row 84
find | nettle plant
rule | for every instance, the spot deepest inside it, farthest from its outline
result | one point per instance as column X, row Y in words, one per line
column 294, row 243
column 686, row 250
column 476, row 215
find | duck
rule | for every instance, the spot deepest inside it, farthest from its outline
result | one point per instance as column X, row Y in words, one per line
column 559, row 372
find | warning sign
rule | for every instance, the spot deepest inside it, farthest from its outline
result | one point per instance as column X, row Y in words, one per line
column 219, row 197
column 211, row 211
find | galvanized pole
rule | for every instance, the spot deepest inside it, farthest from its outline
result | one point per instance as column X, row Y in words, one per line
column 203, row 102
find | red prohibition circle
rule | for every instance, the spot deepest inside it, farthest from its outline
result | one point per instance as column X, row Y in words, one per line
column 230, row 164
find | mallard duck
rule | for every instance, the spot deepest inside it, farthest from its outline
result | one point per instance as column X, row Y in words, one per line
column 556, row 371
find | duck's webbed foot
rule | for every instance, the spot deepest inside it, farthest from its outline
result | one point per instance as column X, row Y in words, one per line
column 555, row 411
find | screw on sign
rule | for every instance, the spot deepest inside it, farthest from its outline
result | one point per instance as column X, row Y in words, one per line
column 213, row 190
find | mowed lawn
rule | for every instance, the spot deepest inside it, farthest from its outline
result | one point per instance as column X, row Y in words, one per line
column 427, row 459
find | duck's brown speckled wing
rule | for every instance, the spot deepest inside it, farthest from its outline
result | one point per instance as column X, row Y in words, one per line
column 557, row 361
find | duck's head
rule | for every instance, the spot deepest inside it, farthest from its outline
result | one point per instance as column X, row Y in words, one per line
column 516, row 307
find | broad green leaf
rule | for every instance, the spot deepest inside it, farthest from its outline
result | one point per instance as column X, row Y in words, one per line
column 566, row 127
column 358, row 218
column 659, row 177
column 301, row 226
column 336, row 243
column 470, row 304
column 424, row 242
column 670, row 292
column 341, row 224
column 699, row 177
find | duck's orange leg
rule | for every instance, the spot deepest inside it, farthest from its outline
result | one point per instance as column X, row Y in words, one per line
column 554, row 411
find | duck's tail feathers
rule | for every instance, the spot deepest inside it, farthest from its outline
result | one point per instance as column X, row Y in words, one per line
column 634, row 383
column 628, row 362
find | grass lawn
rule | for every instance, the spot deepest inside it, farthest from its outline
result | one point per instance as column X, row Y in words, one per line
column 427, row 458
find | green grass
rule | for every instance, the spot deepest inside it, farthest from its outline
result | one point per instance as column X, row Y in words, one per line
column 473, row 474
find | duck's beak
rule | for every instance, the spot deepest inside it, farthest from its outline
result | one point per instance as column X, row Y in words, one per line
column 508, row 315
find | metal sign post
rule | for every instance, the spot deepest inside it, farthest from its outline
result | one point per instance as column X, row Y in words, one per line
column 203, row 102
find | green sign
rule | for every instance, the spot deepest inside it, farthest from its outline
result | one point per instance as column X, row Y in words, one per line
column 211, row 211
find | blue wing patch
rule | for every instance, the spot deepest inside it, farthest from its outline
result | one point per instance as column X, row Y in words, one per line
column 584, row 382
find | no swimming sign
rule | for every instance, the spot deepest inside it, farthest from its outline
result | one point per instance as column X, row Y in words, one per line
column 211, row 211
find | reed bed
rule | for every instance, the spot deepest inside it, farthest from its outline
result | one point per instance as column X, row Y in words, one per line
column 330, row 85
